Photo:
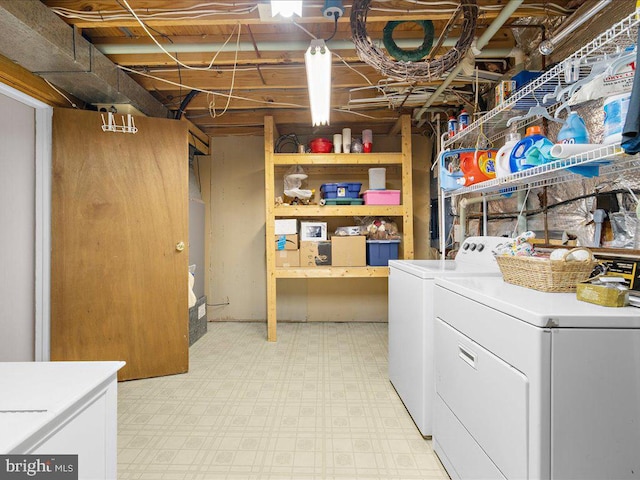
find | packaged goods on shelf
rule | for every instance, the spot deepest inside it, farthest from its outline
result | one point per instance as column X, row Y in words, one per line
column 287, row 242
column 286, row 226
column 533, row 150
column 477, row 167
column 379, row 252
column 380, row 228
column 313, row 231
column 315, row 254
column 288, row 258
column 449, row 169
column 504, row 90
column 348, row 251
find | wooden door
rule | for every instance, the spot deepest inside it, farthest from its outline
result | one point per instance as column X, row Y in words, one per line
column 119, row 210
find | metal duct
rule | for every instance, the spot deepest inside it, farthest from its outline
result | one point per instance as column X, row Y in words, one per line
column 34, row 37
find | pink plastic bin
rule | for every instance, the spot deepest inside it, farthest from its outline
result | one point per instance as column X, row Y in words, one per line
column 381, row 197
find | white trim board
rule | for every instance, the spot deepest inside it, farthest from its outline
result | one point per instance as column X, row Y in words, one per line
column 44, row 115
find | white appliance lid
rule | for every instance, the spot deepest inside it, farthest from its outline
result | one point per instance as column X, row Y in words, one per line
column 552, row 310
column 438, row 268
column 475, row 257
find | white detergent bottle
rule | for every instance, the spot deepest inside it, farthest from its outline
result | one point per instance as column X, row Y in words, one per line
column 503, row 157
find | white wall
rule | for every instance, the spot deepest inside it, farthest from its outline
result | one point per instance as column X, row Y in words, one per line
column 17, row 224
column 237, row 254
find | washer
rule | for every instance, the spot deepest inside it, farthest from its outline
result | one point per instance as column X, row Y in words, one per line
column 534, row 385
column 411, row 301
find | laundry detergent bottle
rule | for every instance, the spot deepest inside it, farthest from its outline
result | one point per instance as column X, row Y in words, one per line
column 574, row 130
column 503, row 157
column 531, row 151
column 477, row 167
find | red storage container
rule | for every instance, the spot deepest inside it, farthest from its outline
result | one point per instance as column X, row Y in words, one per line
column 321, row 145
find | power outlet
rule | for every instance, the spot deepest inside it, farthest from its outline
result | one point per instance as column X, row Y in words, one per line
column 202, row 310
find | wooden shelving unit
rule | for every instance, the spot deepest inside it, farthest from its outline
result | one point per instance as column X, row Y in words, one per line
column 333, row 163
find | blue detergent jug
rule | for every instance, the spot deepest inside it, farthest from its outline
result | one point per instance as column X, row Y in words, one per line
column 531, row 151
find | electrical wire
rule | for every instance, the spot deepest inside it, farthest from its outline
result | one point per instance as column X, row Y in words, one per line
column 61, row 93
column 212, row 110
column 235, row 97
column 166, row 52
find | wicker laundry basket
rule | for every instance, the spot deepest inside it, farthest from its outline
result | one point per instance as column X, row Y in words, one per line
column 544, row 274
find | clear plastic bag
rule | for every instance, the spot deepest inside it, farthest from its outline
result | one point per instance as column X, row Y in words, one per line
column 377, row 228
column 293, row 183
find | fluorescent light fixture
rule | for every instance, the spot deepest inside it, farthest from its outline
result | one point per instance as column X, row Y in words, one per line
column 318, row 62
column 286, row 8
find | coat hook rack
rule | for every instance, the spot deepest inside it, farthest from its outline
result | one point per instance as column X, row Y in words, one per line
column 110, row 125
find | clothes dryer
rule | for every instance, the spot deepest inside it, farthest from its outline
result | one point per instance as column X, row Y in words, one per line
column 534, row 385
column 411, row 301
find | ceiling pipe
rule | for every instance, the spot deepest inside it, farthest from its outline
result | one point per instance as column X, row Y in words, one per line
column 482, row 42
column 548, row 46
column 132, row 49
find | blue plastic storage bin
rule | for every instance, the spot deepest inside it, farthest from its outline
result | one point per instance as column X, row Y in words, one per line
column 340, row 190
column 379, row 252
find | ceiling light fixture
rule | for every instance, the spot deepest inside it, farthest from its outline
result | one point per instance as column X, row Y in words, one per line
column 286, row 8
column 318, row 62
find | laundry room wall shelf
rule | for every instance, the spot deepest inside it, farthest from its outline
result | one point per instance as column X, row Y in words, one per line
column 544, row 90
column 327, row 166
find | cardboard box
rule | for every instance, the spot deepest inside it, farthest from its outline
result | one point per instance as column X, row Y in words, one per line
column 315, row 254
column 348, row 251
column 504, row 90
column 288, row 258
column 286, row 226
column 287, row 242
column 601, row 295
column 313, row 231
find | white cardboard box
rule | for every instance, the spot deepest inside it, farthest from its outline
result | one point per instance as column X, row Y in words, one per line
column 286, row 226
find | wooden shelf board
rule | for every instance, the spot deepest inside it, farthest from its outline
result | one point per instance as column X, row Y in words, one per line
column 339, row 211
column 337, row 159
column 332, row 272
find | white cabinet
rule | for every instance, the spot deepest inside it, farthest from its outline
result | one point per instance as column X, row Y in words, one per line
column 57, row 408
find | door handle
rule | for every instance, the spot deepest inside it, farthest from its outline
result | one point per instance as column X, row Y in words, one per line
column 180, row 246
column 467, row 356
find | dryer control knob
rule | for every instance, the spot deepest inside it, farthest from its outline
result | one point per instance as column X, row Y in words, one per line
column 472, row 247
column 465, row 246
column 480, row 247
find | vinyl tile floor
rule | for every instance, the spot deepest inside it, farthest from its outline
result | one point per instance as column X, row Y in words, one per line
column 316, row 404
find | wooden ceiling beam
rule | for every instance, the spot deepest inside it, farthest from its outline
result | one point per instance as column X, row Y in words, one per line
column 275, row 78
column 289, row 117
column 281, row 99
column 254, row 19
